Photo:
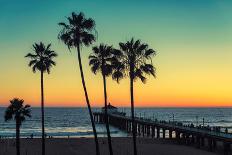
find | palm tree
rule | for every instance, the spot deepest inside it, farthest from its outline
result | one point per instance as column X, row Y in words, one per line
column 17, row 111
column 134, row 61
column 42, row 60
column 101, row 60
column 76, row 33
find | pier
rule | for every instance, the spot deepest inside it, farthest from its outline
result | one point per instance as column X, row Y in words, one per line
column 184, row 134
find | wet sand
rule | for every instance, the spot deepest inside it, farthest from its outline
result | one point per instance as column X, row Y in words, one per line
column 85, row 146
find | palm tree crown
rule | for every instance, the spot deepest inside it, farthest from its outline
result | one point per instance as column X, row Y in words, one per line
column 78, row 31
column 134, row 60
column 41, row 59
column 17, row 111
column 101, row 59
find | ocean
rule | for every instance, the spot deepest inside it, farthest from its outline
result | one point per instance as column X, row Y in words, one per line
column 75, row 122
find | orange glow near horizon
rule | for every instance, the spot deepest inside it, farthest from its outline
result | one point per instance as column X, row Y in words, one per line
column 193, row 61
column 179, row 85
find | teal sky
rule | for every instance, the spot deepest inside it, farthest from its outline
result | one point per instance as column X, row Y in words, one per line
column 156, row 20
column 193, row 39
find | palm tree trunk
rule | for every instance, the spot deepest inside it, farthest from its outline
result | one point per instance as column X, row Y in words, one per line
column 42, row 113
column 17, row 137
column 132, row 113
column 106, row 117
column 87, row 102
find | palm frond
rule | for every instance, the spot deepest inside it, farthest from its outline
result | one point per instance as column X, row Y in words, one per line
column 142, row 47
column 136, row 44
column 87, row 38
column 117, row 75
column 123, row 47
column 32, row 62
column 148, row 69
column 32, row 56
column 63, row 24
column 139, row 74
column 95, row 67
column 95, row 50
column 149, row 53
column 8, row 114
column 89, row 24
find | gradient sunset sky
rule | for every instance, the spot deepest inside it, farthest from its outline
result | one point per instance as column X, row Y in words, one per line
column 193, row 40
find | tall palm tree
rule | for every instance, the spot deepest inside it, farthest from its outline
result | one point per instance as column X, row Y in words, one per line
column 17, row 111
column 101, row 61
column 78, row 32
column 135, row 61
column 42, row 60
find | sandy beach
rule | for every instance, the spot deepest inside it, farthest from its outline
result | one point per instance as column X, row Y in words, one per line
column 85, row 146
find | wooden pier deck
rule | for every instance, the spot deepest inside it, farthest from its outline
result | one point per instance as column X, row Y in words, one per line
column 161, row 129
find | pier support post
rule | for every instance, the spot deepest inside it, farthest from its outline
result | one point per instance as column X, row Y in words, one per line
column 148, row 130
column 198, row 141
column 214, row 144
column 202, row 141
column 183, row 137
column 158, row 132
column 192, row 139
column 226, row 148
column 187, row 141
column 139, row 133
column 143, row 130
column 136, row 129
column 163, row 133
column 100, row 119
column 210, row 144
column 170, row 134
column 129, row 127
column 153, row 132
column 177, row 135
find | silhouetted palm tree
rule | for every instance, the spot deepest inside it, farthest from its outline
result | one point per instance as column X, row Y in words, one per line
column 42, row 60
column 101, row 60
column 17, row 111
column 134, row 61
column 76, row 33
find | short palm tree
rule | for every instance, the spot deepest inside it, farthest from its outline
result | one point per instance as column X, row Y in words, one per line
column 78, row 32
column 17, row 111
column 42, row 60
column 101, row 61
column 135, row 61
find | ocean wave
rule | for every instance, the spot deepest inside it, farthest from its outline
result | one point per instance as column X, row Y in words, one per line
column 223, row 121
column 91, row 132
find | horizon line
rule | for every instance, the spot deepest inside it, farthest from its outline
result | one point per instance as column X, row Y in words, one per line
column 130, row 107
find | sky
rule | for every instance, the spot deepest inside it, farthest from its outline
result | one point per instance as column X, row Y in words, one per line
column 193, row 40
